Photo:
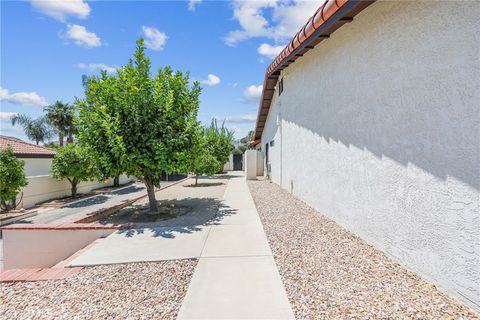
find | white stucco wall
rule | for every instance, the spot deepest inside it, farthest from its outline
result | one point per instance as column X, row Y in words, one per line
column 380, row 130
column 43, row 248
column 252, row 162
column 228, row 166
column 37, row 166
column 44, row 187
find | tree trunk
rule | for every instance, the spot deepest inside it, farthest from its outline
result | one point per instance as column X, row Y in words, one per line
column 60, row 139
column 196, row 179
column 116, row 181
column 151, row 195
column 70, row 136
column 74, row 188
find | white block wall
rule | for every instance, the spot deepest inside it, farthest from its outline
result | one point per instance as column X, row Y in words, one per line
column 379, row 129
column 37, row 166
column 43, row 188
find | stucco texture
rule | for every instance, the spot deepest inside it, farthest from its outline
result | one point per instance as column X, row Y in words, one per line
column 378, row 127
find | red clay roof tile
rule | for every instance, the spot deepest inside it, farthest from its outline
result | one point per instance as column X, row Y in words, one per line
column 326, row 11
column 25, row 149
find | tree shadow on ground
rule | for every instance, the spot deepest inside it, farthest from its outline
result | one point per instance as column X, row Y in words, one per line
column 214, row 177
column 128, row 190
column 87, row 202
column 204, row 212
column 213, row 184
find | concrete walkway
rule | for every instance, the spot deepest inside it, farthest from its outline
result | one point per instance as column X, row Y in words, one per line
column 236, row 276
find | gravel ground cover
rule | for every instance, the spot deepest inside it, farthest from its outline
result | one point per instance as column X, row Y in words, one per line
column 329, row 273
column 124, row 291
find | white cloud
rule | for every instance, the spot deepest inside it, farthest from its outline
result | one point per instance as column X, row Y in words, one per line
column 193, row 3
column 291, row 16
column 154, row 39
column 6, row 115
column 97, row 66
column 60, row 9
column 269, row 51
column 28, row 98
column 242, row 118
column 253, row 93
column 82, row 37
column 212, row 80
column 287, row 17
column 249, row 15
column 6, row 127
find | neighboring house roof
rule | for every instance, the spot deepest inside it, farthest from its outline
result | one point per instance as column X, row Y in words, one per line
column 331, row 15
column 23, row 149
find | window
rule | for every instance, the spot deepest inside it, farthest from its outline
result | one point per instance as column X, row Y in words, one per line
column 280, row 87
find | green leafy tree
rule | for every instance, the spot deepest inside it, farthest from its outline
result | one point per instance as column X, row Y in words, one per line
column 219, row 141
column 37, row 130
column 99, row 124
column 74, row 163
column 152, row 118
column 12, row 178
column 249, row 137
column 51, row 145
column 205, row 164
column 243, row 148
column 201, row 159
column 61, row 116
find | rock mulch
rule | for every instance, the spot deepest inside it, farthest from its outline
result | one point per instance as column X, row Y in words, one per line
column 124, row 291
column 329, row 273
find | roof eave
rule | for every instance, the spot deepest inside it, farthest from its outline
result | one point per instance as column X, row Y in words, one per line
column 33, row 155
column 336, row 14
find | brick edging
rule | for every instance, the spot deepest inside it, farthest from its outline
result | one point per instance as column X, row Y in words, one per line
column 61, row 226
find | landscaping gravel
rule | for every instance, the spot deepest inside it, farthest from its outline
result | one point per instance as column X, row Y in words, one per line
column 329, row 273
column 125, row 291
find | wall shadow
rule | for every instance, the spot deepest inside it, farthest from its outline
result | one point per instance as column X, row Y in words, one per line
column 87, row 202
column 128, row 190
column 204, row 184
column 443, row 140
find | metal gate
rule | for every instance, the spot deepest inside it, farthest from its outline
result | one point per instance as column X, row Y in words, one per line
column 238, row 162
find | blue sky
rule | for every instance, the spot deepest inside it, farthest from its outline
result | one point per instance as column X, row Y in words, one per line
column 46, row 47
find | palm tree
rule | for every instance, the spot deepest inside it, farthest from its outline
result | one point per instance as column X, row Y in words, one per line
column 35, row 129
column 61, row 115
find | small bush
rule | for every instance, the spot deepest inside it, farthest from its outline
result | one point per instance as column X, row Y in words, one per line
column 74, row 163
column 12, row 178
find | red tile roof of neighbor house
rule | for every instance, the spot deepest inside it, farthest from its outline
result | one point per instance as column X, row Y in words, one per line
column 24, row 149
column 330, row 16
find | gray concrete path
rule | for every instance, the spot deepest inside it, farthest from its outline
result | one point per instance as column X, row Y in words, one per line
column 236, row 276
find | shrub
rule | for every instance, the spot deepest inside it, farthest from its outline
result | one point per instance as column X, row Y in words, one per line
column 74, row 163
column 12, row 178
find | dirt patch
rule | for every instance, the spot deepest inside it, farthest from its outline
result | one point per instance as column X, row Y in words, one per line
column 140, row 213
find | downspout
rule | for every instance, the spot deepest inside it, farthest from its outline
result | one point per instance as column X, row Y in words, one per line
column 281, row 152
column 279, row 124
